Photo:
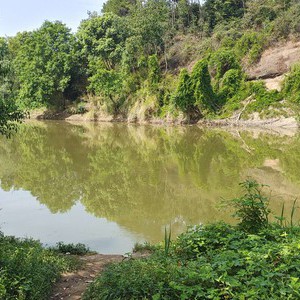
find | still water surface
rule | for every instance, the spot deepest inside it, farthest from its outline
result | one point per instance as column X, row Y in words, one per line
column 111, row 185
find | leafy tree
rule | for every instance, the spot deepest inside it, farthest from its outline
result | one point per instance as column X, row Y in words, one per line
column 119, row 7
column 150, row 21
column 216, row 11
column 261, row 12
column 222, row 61
column 43, row 62
column 10, row 115
column 291, row 88
column 109, row 84
column 103, row 37
column 183, row 8
column 6, row 70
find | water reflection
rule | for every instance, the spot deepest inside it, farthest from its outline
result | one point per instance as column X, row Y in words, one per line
column 143, row 177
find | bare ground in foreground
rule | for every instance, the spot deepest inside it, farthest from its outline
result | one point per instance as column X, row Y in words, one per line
column 71, row 286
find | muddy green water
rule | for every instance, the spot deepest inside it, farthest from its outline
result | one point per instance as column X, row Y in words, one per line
column 111, row 185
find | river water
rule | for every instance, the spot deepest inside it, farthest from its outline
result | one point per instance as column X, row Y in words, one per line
column 111, row 185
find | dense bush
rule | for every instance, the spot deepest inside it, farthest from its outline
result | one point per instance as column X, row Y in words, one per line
column 184, row 95
column 263, row 98
column 251, row 45
column 74, row 249
column 204, row 95
column 27, row 271
column 230, row 83
column 291, row 87
column 216, row 261
column 288, row 23
column 222, row 61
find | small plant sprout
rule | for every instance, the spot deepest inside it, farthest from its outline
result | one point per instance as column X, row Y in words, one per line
column 252, row 209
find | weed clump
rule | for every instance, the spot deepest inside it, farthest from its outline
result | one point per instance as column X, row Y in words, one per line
column 27, row 270
column 73, row 249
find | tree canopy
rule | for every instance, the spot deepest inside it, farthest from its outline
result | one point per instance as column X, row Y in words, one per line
column 135, row 50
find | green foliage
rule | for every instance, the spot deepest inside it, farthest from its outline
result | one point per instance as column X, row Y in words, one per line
column 217, row 11
column 283, row 221
column 27, row 270
column 184, row 14
column 260, row 13
column 145, row 279
column 168, row 240
column 146, row 246
column 6, row 71
column 230, row 83
column 103, row 38
column 263, row 98
column 205, row 98
column 10, row 116
column 252, row 209
column 291, row 87
column 154, row 73
column 43, row 64
column 109, row 84
column 216, row 261
column 184, row 95
column 121, row 8
column 120, row 55
column 222, row 61
column 73, row 249
column 251, row 45
column 150, row 22
column 287, row 24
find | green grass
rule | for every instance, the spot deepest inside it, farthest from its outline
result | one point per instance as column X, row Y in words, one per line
column 27, row 270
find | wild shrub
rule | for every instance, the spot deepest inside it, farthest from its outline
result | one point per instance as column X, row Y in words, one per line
column 205, row 99
column 252, row 208
column 74, row 249
column 291, row 86
column 28, row 271
column 230, row 85
column 154, row 74
column 184, row 96
column 222, row 61
column 251, row 45
column 217, row 261
column 287, row 23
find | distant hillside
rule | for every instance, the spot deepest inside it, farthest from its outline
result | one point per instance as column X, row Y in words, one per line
column 171, row 60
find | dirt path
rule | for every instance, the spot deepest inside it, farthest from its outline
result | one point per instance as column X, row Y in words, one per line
column 72, row 285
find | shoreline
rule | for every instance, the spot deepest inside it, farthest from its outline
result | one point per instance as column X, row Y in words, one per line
column 280, row 125
column 281, row 121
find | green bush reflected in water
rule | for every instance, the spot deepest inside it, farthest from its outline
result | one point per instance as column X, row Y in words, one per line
column 144, row 177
